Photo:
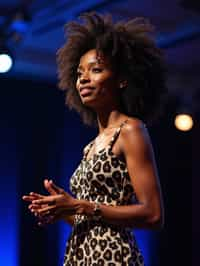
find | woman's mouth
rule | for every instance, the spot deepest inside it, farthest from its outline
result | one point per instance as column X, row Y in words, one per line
column 85, row 91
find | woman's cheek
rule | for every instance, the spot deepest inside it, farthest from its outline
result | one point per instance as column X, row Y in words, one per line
column 77, row 85
column 103, row 88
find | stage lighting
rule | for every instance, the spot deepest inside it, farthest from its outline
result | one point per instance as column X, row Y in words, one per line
column 6, row 61
column 184, row 121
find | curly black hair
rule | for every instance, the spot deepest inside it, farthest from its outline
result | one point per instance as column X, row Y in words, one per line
column 133, row 54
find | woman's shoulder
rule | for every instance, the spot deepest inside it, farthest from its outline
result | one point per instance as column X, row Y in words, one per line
column 133, row 130
column 133, row 123
column 134, row 136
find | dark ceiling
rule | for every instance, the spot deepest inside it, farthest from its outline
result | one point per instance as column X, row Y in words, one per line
column 35, row 43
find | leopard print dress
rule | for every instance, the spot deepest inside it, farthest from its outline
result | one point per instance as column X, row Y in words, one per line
column 103, row 178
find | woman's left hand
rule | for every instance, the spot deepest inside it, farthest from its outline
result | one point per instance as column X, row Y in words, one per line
column 62, row 203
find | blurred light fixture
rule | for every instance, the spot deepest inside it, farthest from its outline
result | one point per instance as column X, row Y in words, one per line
column 6, row 60
column 184, row 121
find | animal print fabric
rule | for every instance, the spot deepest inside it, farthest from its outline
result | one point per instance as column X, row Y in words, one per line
column 102, row 178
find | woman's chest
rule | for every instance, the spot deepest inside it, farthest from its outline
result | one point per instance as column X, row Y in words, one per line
column 103, row 173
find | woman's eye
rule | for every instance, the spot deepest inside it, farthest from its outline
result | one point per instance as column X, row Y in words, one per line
column 79, row 74
column 97, row 70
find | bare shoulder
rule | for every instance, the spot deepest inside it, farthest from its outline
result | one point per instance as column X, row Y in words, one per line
column 133, row 125
column 134, row 135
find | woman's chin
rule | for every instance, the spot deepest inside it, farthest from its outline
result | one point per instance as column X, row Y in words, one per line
column 88, row 101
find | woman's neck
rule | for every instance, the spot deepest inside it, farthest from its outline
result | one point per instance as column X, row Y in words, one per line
column 108, row 119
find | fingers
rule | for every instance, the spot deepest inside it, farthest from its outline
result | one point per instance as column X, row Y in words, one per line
column 42, row 211
column 49, row 187
column 34, row 207
column 50, row 200
column 45, row 207
column 56, row 188
column 29, row 198
column 36, row 195
column 32, row 196
column 46, row 211
column 49, row 216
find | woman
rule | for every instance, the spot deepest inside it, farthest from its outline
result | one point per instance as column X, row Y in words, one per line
column 113, row 75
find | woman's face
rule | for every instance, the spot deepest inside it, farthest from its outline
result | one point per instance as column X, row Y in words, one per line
column 96, row 83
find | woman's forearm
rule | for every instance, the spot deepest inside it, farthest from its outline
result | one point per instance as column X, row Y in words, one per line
column 69, row 219
column 135, row 215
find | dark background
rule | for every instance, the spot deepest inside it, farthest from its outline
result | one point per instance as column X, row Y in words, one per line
column 41, row 138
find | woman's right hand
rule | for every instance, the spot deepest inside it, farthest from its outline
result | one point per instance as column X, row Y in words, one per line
column 47, row 218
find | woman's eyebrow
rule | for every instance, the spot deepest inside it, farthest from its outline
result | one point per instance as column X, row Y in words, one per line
column 96, row 62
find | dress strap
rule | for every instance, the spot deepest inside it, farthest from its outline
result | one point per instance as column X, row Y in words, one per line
column 87, row 149
column 110, row 144
column 116, row 134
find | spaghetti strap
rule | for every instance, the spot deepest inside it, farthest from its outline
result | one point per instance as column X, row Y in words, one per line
column 116, row 134
column 87, row 149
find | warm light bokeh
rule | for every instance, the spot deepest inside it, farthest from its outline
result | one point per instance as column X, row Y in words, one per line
column 184, row 122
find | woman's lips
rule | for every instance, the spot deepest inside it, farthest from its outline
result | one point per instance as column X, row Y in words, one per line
column 85, row 91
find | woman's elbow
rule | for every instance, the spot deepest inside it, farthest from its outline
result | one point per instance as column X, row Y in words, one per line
column 156, row 221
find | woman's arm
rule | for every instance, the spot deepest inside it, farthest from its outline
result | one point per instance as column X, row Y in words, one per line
column 136, row 146
column 69, row 219
column 138, row 152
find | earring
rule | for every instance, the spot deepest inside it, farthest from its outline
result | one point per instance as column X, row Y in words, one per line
column 123, row 84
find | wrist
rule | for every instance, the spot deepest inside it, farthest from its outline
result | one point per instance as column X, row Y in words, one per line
column 91, row 209
column 85, row 207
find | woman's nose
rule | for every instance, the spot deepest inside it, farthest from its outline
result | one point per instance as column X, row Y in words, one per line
column 84, row 78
